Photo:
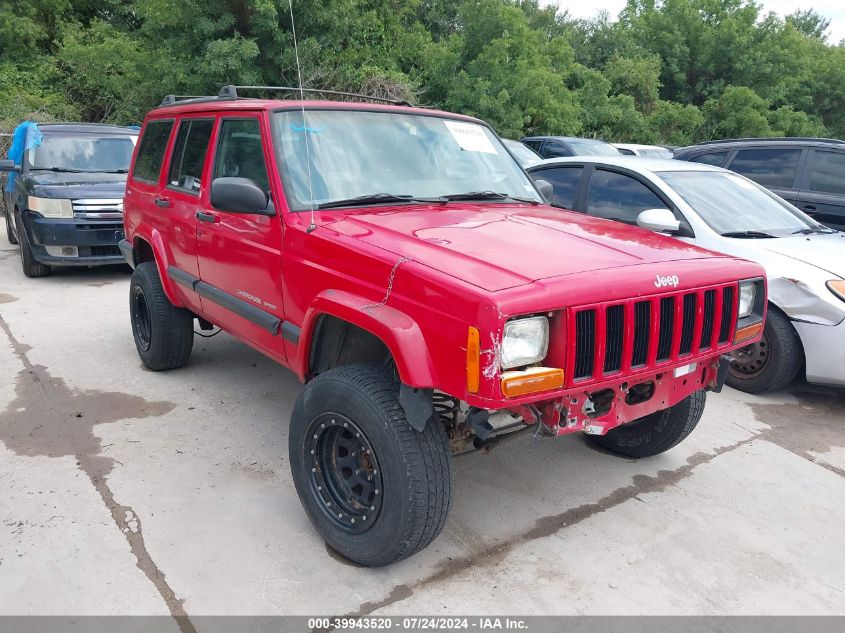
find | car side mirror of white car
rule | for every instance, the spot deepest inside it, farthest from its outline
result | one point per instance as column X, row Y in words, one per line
column 660, row 220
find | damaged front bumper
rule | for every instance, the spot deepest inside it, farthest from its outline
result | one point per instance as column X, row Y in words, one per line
column 600, row 407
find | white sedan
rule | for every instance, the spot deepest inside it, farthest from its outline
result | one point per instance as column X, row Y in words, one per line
column 723, row 211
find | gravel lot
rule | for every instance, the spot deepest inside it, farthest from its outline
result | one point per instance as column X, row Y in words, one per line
column 132, row 492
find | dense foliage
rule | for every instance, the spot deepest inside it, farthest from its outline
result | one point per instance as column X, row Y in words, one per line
column 670, row 71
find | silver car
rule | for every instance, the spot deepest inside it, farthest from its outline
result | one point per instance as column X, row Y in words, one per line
column 723, row 211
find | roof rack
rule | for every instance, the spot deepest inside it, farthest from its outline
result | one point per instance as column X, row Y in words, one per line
column 230, row 93
column 775, row 139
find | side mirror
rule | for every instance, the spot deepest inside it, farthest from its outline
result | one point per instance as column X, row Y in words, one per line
column 660, row 220
column 9, row 165
column 240, row 195
column 546, row 189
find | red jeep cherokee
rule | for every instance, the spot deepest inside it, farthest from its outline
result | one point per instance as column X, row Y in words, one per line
column 403, row 265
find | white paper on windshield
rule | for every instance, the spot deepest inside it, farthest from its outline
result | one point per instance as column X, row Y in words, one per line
column 470, row 137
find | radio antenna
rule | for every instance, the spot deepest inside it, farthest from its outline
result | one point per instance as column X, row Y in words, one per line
column 312, row 225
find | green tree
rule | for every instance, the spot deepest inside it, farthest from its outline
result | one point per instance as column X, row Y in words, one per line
column 738, row 112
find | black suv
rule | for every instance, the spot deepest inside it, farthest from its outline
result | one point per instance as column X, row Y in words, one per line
column 807, row 172
column 66, row 203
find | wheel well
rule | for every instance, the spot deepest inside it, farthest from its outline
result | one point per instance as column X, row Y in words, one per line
column 143, row 251
column 337, row 342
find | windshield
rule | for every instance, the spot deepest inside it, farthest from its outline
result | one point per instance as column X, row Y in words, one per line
column 85, row 152
column 525, row 156
column 590, row 147
column 655, row 152
column 731, row 204
column 361, row 154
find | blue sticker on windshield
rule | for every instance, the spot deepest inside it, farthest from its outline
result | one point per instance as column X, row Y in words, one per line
column 305, row 128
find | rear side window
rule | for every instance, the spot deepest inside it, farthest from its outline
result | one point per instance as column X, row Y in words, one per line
column 828, row 172
column 189, row 152
column 535, row 145
column 714, row 158
column 620, row 197
column 774, row 167
column 565, row 181
column 240, row 153
column 151, row 150
column 626, row 151
column 554, row 149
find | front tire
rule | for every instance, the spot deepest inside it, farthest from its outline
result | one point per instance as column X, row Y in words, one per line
column 31, row 267
column 10, row 231
column 655, row 433
column 771, row 363
column 376, row 489
column 164, row 334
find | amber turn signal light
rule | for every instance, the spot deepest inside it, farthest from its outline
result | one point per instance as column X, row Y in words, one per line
column 519, row 383
column 473, row 360
column 748, row 332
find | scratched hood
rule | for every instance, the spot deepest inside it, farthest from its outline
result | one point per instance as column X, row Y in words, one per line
column 498, row 246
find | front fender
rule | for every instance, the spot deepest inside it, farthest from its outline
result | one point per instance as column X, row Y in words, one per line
column 802, row 302
column 399, row 332
column 156, row 243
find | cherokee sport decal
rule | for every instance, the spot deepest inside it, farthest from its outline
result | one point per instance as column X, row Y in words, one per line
column 255, row 299
column 671, row 280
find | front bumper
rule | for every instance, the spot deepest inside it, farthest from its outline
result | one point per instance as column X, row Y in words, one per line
column 95, row 241
column 601, row 407
column 824, row 351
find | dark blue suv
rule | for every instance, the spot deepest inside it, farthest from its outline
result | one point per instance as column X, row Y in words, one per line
column 64, row 202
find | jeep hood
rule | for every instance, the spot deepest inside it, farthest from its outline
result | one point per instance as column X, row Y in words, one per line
column 497, row 246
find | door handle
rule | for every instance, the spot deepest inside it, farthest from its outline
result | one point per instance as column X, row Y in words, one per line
column 162, row 202
column 202, row 216
column 810, row 210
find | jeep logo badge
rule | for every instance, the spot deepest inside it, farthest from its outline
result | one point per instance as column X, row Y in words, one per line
column 671, row 280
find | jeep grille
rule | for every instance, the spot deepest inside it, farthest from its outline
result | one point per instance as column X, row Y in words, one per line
column 642, row 334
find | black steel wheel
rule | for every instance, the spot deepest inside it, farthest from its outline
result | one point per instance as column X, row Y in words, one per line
column 376, row 489
column 344, row 476
column 771, row 363
column 752, row 360
column 141, row 320
column 163, row 333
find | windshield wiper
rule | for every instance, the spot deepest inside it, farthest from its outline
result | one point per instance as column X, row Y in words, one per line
column 376, row 198
column 810, row 231
column 61, row 169
column 487, row 195
column 751, row 234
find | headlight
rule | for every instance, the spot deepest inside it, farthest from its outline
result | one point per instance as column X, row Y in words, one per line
column 525, row 341
column 747, row 296
column 837, row 287
column 50, row 207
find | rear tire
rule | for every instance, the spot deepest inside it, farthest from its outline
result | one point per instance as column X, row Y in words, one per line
column 773, row 362
column 376, row 489
column 31, row 267
column 655, row 433
column 164, row 334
